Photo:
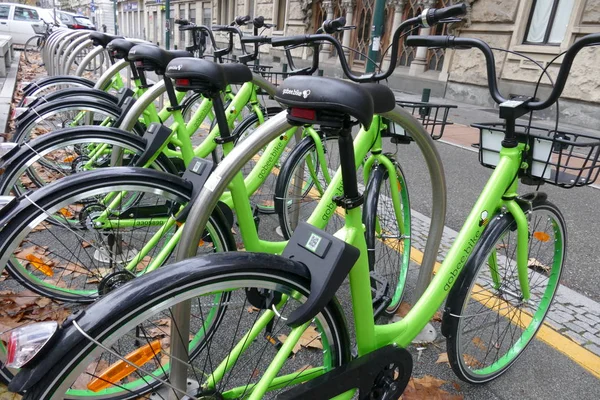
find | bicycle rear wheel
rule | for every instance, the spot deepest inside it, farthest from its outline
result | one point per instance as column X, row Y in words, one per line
column 32, row 49
column 243, row 322
column 490, row 324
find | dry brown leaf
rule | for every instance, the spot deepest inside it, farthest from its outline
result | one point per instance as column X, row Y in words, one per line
column 252, row 309
column 85, row 244
column 427, row 387
column 43, row 302
column 403, row 309
column 536, row 265
column 442, row 358
column 471, row 361
column 479, row 343
column 309, row 339
column 72, row 268
column 437, row 317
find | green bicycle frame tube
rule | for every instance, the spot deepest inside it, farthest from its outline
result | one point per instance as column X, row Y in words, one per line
column 490, row 200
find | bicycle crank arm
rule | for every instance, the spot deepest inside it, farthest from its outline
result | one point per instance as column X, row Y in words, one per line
column 385, row 371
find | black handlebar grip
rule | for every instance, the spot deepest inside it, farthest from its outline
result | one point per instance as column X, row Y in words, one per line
column 182, row 21
column 259, row 22
column 332, row 26
column 256, row 39
column 430, row 41
column 289, row 40
column 242, row 20
column 436, row 15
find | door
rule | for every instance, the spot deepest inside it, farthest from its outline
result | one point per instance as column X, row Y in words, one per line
column 4, row 13
column 21, row 28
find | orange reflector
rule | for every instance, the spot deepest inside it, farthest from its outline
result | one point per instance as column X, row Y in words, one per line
column 65, row 212
column 69, row 159
column 541, row 236
column 38, row 263
column 201, row 243
column 119, row 370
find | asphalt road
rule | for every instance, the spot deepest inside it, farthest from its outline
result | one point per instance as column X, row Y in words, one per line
column 465, row 179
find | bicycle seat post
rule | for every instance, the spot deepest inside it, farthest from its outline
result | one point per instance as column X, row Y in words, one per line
column 351, row 198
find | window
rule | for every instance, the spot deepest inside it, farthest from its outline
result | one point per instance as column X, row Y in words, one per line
column 548, row 21
column 279, row 17
column 25, row 14
column 4, row 10
column 206, row 15
column 193, row 13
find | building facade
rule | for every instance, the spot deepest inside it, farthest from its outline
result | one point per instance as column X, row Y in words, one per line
column 540, row 29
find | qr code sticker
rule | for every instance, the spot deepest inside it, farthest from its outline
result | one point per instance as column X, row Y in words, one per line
column 313, row 242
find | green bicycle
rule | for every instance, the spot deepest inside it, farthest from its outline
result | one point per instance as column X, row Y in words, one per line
column 277, row 309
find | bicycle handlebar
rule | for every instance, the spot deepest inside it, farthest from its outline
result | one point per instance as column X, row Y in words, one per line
column 467, row 43
column 427, row 18
column 242, row 20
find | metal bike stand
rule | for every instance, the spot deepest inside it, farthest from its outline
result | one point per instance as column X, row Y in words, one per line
column 438, row 209
column 82, row 46
column 71, row 51
column 64, row 43
column 87, row 60
column 105, row 80
column 58, row 41
column 298, row 181
column 51, row 50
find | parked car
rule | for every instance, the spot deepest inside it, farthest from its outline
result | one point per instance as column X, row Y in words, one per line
column 19, row 21
column 47, row 15
column 75, row 21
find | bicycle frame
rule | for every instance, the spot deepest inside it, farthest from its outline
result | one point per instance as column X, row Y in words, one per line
column 353, row 233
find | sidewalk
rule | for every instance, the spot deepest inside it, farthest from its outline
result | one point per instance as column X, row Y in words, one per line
column 7, row 88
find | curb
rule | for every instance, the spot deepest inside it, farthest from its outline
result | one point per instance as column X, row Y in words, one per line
column 6, row 94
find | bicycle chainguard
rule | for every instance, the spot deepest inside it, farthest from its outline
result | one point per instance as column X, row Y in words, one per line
column 380, row 375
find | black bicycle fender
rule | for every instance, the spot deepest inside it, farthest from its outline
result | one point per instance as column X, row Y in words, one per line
column 146, row 289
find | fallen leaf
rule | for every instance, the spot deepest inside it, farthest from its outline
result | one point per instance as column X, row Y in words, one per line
column 252, row 309
column 536, row 265
column 403, row 309
column 85, row 244
column 442, row 358
column 309, row 339
column 479, row 343
column 471, row 361
column 437, row 317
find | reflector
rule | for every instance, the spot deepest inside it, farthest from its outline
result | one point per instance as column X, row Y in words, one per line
column 303, row 113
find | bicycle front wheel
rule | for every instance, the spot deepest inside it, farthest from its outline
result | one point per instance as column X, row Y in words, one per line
column 490, row 323
column 302, row 181
column 387, row 218
column 235, row 287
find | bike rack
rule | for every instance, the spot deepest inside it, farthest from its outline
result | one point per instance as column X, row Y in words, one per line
column 62, row 45
column 52, row 50
column 88, row 60
column 106, row 77
column 47, row 51
column 226, row 170
column 71, row 52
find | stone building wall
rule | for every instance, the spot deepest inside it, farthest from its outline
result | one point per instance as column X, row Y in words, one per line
column 503, row 24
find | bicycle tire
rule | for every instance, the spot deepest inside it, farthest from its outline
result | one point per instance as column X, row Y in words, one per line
column 32, row 46
column 43, row 117
column 285, row 204
column 389, row 256
column 468, row 351
column 76, row 92
column 57, row 82
column 189, row 280
column 40, row 220
column 58, row 152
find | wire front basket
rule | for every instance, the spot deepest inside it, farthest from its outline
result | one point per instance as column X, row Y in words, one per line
column 434, row 118
column 561, row 158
